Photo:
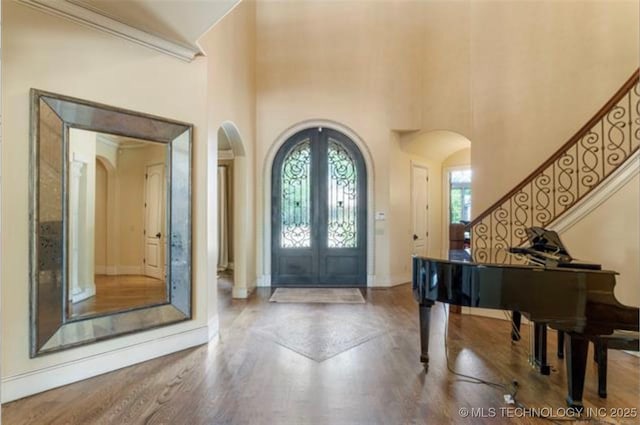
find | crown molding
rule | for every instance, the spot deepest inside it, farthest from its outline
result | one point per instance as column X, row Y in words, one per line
column 106, row 141
column 91, row 18
column 139, row 146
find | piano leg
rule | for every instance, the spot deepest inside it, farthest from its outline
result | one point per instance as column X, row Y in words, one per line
column 515, row 318
column 600, row 349
column 425, row 320
column 560, row 344
column 576, row 349
column 540, row 348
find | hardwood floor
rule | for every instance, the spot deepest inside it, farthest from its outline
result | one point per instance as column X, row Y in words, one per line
column 254, row 373
column 121, row 292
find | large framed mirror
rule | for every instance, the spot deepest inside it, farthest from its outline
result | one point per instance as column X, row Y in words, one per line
column 110, row 219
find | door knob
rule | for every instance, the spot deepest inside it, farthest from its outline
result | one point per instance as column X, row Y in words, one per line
column 415, row 237
column 158, row 235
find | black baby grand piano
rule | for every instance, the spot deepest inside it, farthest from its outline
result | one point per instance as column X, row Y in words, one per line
column 578, row 301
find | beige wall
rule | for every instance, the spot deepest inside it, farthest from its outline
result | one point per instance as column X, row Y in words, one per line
column 505, row 75
column 539, row 73
column 609, row 236
column 53, row 54
column 231, row 97
column 460, row 158
column 130, row 198
column 372, row 67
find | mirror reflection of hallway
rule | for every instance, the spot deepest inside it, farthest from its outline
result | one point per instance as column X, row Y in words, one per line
column 233, row 174
column 117, row 202
column 225, row 217
column 225, row 265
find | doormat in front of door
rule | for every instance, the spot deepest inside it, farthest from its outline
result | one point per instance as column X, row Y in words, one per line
column 318, row 295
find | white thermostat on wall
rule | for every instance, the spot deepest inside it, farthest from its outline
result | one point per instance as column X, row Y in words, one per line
column 380, row 216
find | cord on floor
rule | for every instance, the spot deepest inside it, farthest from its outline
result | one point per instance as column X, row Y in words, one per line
column 511, row 389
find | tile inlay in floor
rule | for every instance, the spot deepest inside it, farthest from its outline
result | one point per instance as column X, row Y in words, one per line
column 318, row 337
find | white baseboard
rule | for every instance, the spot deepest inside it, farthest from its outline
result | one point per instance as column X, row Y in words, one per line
column 111, row 270
column 88, row 292
column 484, row 312
column 33, row 382
column 390, row 281
column 116, row 270
column 400, row 279
column 490, row 313
column 264, row 281
column 130, row 270
column 241, row 293
column 213, row 328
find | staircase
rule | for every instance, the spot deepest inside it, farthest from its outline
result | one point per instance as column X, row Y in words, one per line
column 596, row 151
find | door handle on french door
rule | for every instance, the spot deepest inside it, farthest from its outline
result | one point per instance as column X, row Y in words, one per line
column 415, row 237
column 158, row 235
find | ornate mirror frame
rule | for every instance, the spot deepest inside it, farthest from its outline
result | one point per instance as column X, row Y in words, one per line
column 52, row 115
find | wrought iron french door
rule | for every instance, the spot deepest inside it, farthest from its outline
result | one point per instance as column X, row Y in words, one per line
column 319, row 212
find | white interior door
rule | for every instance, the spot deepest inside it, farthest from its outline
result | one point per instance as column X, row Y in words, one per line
column 153, row 221
column 420, row 208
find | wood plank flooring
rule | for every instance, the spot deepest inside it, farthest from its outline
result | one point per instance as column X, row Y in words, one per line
column 249, row 376
column 121, row 292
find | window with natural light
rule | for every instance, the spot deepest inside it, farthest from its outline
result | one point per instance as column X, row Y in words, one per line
column 460, row 196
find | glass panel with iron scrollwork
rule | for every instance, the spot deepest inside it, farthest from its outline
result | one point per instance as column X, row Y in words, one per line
column 342, row 192
column 295, row 201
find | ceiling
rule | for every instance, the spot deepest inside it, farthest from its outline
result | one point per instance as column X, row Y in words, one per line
column 122, row 141
column 223, row 141
column 436, row 145
column 178, row 21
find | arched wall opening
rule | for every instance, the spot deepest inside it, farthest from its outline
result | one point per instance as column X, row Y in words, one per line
column 232, row 214
column 266, row 228
column 229, row 140
column 106, row 189
column 434, row 145
column 440, row 152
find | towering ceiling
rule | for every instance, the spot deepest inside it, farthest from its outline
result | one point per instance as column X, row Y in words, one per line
column 180, row 21
column 172, row 27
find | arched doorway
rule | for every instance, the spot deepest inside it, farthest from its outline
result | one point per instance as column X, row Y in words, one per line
column 233, row 203
column 319, row 211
